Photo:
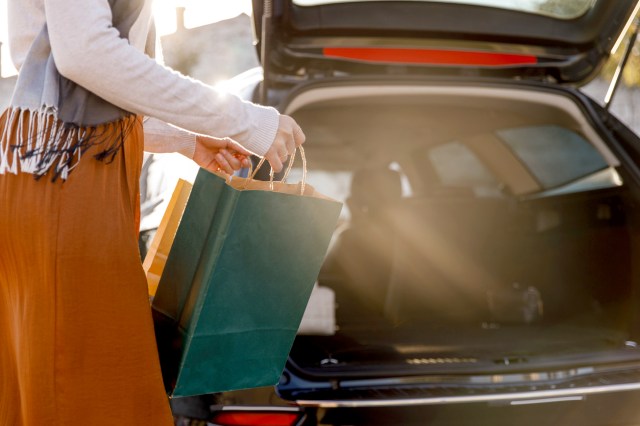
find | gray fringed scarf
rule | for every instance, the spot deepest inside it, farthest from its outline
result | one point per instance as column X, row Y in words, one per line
column 52, row 120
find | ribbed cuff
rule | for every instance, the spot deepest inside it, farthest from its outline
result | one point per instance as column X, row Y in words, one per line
column 266, row 121
column 185, row 144
column 162, row 137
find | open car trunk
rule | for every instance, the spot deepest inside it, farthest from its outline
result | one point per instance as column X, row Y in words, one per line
column 489, row 239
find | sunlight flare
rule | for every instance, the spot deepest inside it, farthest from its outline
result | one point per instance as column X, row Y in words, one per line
column 197, row 12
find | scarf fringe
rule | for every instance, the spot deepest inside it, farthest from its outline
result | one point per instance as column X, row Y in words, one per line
column 36, row 142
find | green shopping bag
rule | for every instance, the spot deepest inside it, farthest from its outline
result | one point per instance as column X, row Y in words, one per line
column 237, row 280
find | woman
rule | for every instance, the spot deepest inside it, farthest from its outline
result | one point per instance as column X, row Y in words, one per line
column 76, row 337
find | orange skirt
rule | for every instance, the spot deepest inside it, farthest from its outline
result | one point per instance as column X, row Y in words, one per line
column 76, row 336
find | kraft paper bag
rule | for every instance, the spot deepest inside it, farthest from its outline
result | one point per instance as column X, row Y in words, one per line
column 156, row 257
column 237, row 280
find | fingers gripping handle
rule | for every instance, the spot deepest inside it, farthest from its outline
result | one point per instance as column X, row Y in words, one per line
column 252, row 171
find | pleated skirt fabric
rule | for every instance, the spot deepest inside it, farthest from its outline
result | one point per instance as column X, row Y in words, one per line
column 76, row 336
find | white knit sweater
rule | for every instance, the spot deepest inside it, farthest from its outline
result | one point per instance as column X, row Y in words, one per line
column 88, row 50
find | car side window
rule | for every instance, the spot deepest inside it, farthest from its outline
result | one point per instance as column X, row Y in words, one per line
column 553, row 154
column 457, row 166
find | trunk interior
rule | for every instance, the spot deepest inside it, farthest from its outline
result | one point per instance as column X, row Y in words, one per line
column 485, row 229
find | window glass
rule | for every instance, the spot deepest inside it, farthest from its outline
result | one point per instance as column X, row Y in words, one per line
column 560, row 9
column 456, row 165
column 407, row 191
column 553, row 154
column 333, row 184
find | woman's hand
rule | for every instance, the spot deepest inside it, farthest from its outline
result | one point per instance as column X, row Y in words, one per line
column 288, row 137
column 226, row 155
column 217, row 155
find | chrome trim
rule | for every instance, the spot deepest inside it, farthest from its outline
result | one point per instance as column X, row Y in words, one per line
column 265, row 408
column 532, row 378
column 518, row 396
column 548, row 400
column 623, row 33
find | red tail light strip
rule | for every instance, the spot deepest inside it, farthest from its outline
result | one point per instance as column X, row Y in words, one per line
column 239, row 418
column 429, row 56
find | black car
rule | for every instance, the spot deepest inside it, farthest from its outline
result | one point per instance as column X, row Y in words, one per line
column 485, row 268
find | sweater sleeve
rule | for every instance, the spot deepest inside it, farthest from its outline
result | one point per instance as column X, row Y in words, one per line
column 88, row 50
column 160, row 137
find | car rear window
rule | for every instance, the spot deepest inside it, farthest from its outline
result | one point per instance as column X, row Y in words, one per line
column 559, row 9
column 554, row 155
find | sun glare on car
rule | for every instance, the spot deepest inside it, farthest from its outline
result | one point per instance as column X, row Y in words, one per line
column 196, row 12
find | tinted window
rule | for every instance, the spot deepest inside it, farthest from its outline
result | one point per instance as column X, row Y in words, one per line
column 457, row 165
column 553, row 154
column 561, row 9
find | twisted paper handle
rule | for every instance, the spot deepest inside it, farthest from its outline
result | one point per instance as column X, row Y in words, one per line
column 252, row 171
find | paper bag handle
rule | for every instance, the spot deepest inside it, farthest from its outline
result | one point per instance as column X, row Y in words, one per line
column 252, row 171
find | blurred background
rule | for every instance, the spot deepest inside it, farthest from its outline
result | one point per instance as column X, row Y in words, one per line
column 210, row 40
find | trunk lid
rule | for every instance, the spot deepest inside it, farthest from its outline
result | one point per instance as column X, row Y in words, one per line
column 562, row 41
